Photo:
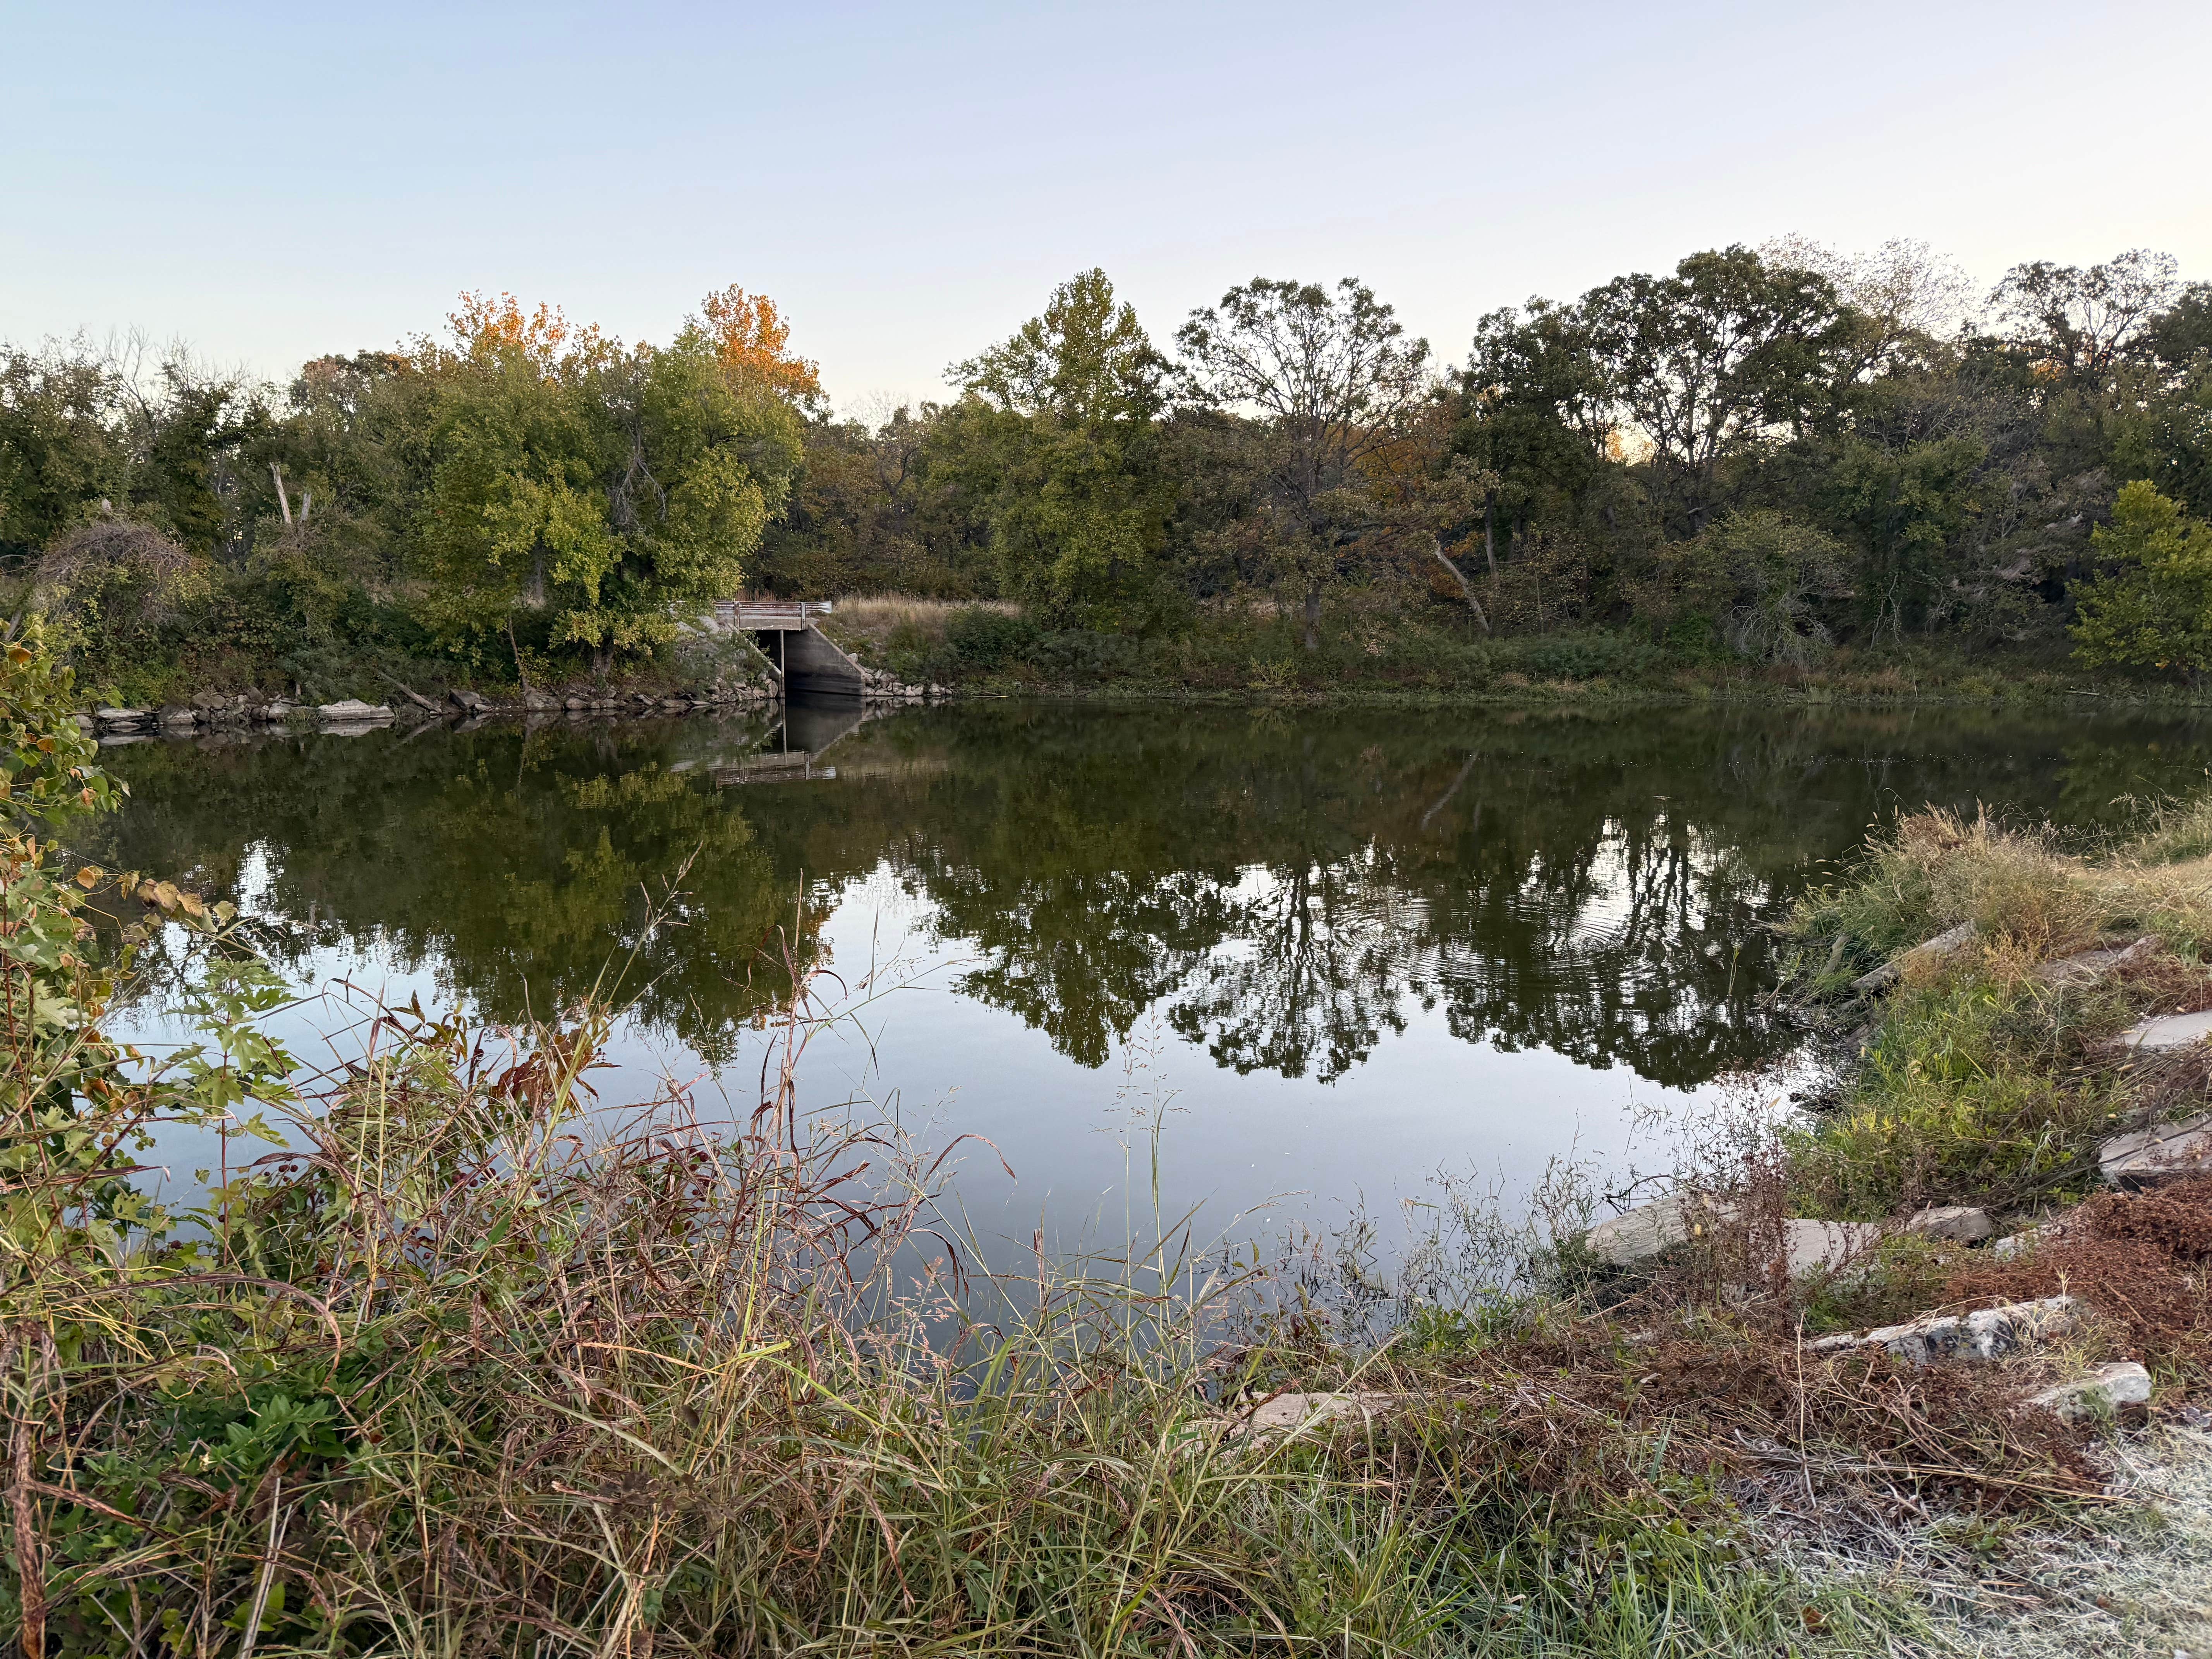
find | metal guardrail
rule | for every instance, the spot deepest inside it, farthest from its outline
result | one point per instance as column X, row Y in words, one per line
column 769, row 615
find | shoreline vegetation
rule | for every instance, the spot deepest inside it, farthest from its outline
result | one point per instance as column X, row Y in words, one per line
column 936, row 651
column 1776, row 472
column 443, row 1359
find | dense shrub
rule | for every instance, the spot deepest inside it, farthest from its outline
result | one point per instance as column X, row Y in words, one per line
column 1575, row 657
column 1080, row 655
column 984, row 639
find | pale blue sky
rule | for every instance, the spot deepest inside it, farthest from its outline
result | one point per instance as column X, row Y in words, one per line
column 907, row 182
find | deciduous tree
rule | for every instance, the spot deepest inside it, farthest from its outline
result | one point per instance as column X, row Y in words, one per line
column 751, row 340
column 606, row 491
column 61, row 451
column 1336, row 382
column 2080, row 323
column 2151, row 606
column 1722, row 357
column 1056, row 439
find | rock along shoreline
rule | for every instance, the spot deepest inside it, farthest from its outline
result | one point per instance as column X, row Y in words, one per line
column 210, row 711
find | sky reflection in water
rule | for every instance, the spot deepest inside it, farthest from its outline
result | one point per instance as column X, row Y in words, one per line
column 1346, row 948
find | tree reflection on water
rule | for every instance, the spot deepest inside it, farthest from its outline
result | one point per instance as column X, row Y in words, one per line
column 1286, row 887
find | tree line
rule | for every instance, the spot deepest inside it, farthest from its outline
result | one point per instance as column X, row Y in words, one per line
column 1757, row 455
column 519, row 488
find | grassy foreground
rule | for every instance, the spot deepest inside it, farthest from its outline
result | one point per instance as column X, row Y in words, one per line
column 460, row 1365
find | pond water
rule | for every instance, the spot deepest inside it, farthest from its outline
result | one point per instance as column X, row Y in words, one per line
column 1330, row 952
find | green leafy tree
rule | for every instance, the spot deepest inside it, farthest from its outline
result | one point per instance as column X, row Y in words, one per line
column 515, row 513
column 1909, row 504
column 194, row 433
column 60, row 451
column 2181, row 335
column 1337, row 386
column 2161, row 424
column 1761, row 579
column 1533, row 413
column 1087, row 358
column 702, row 456
column 1715, row 363
column 876, row 511
column 2151, row 606
column 599, row 491
column 2162, row 431
column 354, row 457
column 1056, row 439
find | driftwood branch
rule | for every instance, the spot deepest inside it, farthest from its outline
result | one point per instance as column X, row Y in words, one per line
column 413, row 695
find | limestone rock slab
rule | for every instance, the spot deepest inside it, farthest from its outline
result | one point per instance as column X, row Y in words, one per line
column 1950, row 939
column 2103, row 1390
column 1641, row 1233
column 2165, row 1032
column 2090, row 964
column 1286, row 1411
column 1959, row 1224
column 1825, row 1246
column 1989, row 1334
column 2163, row 1153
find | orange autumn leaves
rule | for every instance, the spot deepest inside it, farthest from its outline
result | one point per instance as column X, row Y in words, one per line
column 484, row 328
column 749, row 335
column 752, row 339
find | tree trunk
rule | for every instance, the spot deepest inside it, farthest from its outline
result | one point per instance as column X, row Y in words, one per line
column 1313, row 618
column 1465, row 586
column 1489, row 531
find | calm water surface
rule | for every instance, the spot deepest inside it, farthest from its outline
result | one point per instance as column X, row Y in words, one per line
column 1343, row 950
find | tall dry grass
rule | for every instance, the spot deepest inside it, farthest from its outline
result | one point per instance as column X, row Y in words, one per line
column 467, row 1367
column 879, row 623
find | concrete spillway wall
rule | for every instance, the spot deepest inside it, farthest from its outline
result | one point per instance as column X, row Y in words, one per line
column 810, row 664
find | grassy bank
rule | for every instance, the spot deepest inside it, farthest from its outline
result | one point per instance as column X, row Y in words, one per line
column 456, row 1363
column 1987, row 1074
column 227, row 639
column 1373, row 651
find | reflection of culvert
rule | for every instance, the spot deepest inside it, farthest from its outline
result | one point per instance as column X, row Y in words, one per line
column 810, row 726
column 814, row 723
